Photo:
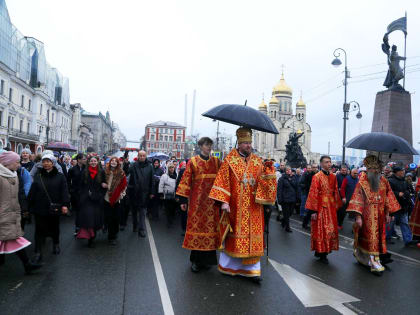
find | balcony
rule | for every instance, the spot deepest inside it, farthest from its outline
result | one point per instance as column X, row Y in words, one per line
column 20, row 135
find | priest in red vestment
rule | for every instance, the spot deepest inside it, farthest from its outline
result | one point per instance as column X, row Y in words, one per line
column 372, row 203
column 243, row 185
column 323, row 202
column 414, row 222
column 201, row 236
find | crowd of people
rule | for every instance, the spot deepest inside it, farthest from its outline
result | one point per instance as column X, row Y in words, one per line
column 222, row 205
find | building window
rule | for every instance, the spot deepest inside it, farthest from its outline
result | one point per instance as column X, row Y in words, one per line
column 166, row 138
column 178, row 139
column 29, row 105
column 20, row 125
column 39, row 129
column 1, row 118
column 160, row 138
column 171, row 138
column 152, row 137
column 10, row 94
column 28, row 127
column 40, row 110
column 22, row 101
column 19, row 149
column 2, row 87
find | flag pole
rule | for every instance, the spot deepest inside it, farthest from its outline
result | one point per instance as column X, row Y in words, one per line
column 405, row 48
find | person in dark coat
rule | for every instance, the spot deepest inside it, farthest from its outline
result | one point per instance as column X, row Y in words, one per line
column 74, row 177
column 346, row 192
column 140, row 189
column 287, row 196
column 48, row 199
column 155, row 202
column 400, row 188
column 92, row 191
column 183, row 214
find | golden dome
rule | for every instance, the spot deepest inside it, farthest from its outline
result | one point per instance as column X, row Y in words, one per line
column 263, row 105
column 274, row 100
column 282, row 87
column 301, row 102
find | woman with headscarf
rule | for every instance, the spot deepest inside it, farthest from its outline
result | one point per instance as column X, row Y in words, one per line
column 48, row 199
column 11, row 234
column 93, row 187
column 117, row 185
column 167, row 185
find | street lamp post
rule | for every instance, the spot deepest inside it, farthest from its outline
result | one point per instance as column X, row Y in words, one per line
column 337, row 62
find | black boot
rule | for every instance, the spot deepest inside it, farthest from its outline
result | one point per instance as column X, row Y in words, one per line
column 31, row 266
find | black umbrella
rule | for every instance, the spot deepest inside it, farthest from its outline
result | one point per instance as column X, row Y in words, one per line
column 242, row 116
column 381, row 142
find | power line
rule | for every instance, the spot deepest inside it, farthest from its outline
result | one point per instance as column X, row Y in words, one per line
column 324, row 94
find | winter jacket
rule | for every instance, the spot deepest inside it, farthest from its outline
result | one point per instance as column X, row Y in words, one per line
column 74, row 177
column 55, row 184
column 90, row 214
column 305, row 182
column 157, row 174
column 347, row 187
column 400, row 185
column 340, row 177
column 26, row 180
column 140, row 185
column 287, row 189
column 38, row 166
column 10, row 217
column 167, row 184
column 28, row 165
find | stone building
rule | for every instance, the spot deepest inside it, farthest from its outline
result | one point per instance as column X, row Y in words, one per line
column 101, row 127
column 34, row 97
column 165, row 136
column 287, row 121
column 118, row 138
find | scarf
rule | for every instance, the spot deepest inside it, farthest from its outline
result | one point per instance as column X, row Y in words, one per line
column 93, row 171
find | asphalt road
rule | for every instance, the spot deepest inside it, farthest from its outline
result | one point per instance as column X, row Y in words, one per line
column 152, row 276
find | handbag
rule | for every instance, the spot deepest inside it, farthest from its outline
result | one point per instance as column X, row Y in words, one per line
column 54, row 207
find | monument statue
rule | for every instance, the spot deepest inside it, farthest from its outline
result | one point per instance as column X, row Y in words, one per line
column 294, row 155
column 395, row 72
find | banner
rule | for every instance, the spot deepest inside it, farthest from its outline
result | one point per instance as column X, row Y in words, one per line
column 398, row 25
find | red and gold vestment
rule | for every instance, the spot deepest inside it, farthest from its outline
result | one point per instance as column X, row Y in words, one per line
column 373, row 207
column 414, row 222
column 323, row 198
column 203, row 214
column 239, row 181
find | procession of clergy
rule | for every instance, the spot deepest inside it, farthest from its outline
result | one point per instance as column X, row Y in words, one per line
column 226, row 210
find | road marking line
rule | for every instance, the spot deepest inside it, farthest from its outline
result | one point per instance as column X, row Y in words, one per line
column 311, row 292
column 350, row 239
column 163, row 290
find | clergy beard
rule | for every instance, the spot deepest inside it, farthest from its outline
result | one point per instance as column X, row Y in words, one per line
column 374, row 180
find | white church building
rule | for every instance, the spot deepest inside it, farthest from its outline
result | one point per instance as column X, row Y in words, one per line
column 280, row 110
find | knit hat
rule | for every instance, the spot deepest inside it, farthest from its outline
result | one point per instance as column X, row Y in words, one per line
column 26, row 150
column 49, row 157
column 397, row 168
column 49, row 152
column 9, row 157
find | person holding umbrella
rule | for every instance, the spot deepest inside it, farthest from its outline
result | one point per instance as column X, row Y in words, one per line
column 242, row 186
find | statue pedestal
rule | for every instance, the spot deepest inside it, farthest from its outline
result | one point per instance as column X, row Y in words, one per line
column 392, row 114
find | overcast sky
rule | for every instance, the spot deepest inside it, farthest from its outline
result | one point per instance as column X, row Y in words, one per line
column 138, row 59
